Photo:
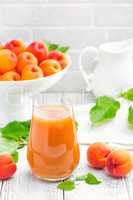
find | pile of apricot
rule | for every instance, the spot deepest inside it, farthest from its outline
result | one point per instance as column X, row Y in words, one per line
column 21, row 62
column 117, row 162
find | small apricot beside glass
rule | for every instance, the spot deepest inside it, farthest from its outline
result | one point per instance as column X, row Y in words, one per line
column 7, row 166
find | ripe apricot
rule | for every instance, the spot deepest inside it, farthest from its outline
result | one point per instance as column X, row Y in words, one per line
column 31, row 72
column 39, row 50
column 60, row 57
column 50, row 67
column 97, row 154
column 10, row 76
column 16, row 46
column 1, row 46
column 8, row 60
column 119, row 163
column 24, row 59
column 7, row 166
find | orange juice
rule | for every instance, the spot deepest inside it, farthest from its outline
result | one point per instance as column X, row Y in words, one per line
column 53, row 151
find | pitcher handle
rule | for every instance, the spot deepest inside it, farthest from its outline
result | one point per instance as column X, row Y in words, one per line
column 94, row 53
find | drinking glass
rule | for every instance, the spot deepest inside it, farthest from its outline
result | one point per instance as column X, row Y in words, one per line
column 53, row 149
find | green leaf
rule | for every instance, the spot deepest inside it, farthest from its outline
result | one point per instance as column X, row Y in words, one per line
column 13, row 136
column 63, row 49
column 67, row 185
column 16, row 130
column 47, row 42
column 81, row 178
column 128, row 94
column 26, row 124
column 91, row 179
column 15, row 156
column 70, row 185
column 130, row 116
column 53, row 46
column 88, row 178
column 105, row 109
column 6, row 145
column 76, row 124
column 9, row 146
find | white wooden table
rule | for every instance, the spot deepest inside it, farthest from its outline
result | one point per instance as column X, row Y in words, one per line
column 23, row 186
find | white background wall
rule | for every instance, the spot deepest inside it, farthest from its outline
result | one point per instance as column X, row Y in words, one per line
column 74, row 22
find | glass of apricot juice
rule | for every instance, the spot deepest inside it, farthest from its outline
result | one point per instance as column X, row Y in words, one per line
column 53, row 149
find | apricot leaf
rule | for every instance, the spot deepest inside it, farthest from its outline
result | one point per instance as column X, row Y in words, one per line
column 130, row 115
column 128, row 94
column 53, row 46
column 17, row 131
column 63, row 49
column 88, row 178
column 76, row 124
column 70, row 185
column 67, row 185
column 81, row 178
column 9, row 146
column 91, row 179
column 15, row 156
column 105, row 109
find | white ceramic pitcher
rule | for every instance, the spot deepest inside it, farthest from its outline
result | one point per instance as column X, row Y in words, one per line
column 112, row 67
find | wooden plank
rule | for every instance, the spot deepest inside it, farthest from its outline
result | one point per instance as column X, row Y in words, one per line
column 129, row 185
column 24, row 186
column 1, row 184
column 109, row 189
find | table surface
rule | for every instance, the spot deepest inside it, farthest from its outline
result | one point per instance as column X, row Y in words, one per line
column 24, row 186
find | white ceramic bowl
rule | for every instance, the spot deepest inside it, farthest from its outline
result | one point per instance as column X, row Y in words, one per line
column 32, row 86
column 15, row 96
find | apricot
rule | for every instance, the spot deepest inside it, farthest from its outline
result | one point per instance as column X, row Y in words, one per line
column 60, row 57
column 16, row 46
column 97, row 154
column 50, row 67
column 7, row 166
column 1, row 46
column 31, row 72
column 10, row 76
column 8, row 60
column 24, row 59
column 119, row 163
column 39, row 49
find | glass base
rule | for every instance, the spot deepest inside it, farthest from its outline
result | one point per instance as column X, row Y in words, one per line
column 52, row 179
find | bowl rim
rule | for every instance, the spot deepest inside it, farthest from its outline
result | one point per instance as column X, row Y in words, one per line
column 38, row 79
